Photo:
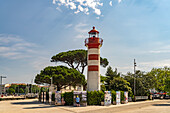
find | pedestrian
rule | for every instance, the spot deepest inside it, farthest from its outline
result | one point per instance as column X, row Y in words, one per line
column 77, row 101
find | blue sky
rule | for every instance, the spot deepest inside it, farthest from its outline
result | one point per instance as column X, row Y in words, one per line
column 32, row 31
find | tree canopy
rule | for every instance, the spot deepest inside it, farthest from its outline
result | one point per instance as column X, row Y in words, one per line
column 110, row 75
column 119, row 83
column 143, row 82
column 76, row 59
column 11, row 90
column 160, row 75
column 62, row 76
column 113, row 81
column 167, row 87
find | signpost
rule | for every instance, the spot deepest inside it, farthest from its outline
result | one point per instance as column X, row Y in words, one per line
column 126, row 96
column 57, row 97
column 117, row 97
column 107, row 98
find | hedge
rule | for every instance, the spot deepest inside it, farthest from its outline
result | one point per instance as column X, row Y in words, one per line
column 95, row 97
column 122, row 96
column 113, row 95
column 68, row 98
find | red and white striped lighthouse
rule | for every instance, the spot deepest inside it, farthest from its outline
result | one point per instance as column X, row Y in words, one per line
column 93, row 44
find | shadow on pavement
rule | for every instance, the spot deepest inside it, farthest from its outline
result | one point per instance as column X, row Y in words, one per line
column 26, row 103
column 39, row 107
column 161, row 104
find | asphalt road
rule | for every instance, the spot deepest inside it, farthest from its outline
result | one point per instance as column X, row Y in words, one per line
column 158, row 106
column 33, row 106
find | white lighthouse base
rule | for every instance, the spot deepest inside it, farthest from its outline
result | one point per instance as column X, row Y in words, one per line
column 93, row 81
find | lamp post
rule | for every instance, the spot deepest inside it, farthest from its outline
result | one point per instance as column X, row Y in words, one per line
column 134, row 76
column 1, row 82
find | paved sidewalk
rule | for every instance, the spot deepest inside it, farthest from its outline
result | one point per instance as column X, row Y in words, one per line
column 130, row 105
column 33, row 106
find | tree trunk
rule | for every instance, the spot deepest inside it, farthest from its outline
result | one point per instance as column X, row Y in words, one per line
column 58, row 87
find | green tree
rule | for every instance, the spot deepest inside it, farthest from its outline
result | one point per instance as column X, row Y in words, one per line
column 167, row 87
column 119, row 84
column 110, row 75
column 160, row 76
column 102, row 81
column 21, row 90
column 76, row 59
column 144, row 82
column 14, row 87
column 62, row 76
column 35, row 89
column 11, row 91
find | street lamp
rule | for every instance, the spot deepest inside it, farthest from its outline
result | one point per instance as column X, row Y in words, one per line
column 134, row 76
column 1, row 82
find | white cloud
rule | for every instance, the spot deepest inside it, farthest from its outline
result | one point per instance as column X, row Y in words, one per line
column 147, row 66
column 110, row 3
column 54, row 2
column 80, row 8
column 84, row 6
column 119, row 1
column 72, row 5
column 160, row 48
column 81, row 5
column 160, row 51
column 13, row 47
column 41, row 62
column 97, row 17
column 58, row 8
column 97, row 11
column 3, row 49
column 6, row 39
column 82, row 30
column 69, row 25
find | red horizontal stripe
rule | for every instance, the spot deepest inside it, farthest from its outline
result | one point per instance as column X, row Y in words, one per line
column 93, row 57
column 93, row 68
column 93, row 45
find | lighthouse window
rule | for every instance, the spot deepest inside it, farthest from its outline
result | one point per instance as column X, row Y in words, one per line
column 94, row 34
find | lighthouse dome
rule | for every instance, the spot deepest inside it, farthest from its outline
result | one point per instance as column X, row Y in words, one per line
column 93, row 31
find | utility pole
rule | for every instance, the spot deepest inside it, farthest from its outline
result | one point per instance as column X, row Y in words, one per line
column 134, row 77
column 1, row 82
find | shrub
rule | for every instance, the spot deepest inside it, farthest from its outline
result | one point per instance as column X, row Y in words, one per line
column 68, row 98
column 53, row 96
column 130, row 93
column 122, row 96
column 95, row 97
column 103, row 88
column 113, row 95
column 11, row 91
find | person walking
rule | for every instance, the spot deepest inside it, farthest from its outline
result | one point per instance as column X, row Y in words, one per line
column 77, row 101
